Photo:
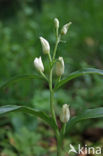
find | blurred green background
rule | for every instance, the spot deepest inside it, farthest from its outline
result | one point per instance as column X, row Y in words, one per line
column 21, row 24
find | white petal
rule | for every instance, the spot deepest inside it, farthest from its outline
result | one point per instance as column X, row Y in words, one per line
column 45, row 45
column 38, row 64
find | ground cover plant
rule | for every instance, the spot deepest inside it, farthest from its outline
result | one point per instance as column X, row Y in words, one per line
column 57, row 66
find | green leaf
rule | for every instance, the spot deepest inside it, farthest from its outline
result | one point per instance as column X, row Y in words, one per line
column 40, row 114
column 18, row 78
column 87, row 114
column 79, row 73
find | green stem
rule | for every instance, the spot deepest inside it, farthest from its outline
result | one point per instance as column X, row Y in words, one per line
column 59, row 147
column 57, row 81
column 44, row 76
column 52, row 97
column 58, row 136
column 52, row 103
column 56, row 45
column 50, row 59
column 60, row 141
column 63, row 129
column 56, row 32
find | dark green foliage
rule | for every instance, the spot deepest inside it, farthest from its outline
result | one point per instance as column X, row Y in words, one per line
column 23, row 143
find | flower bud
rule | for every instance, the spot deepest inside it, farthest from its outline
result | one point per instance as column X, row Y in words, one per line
column 38, row 64
column 45, row 45
column 65, row 28
column 65, row 114
column 60, row 66
column 56, row 22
